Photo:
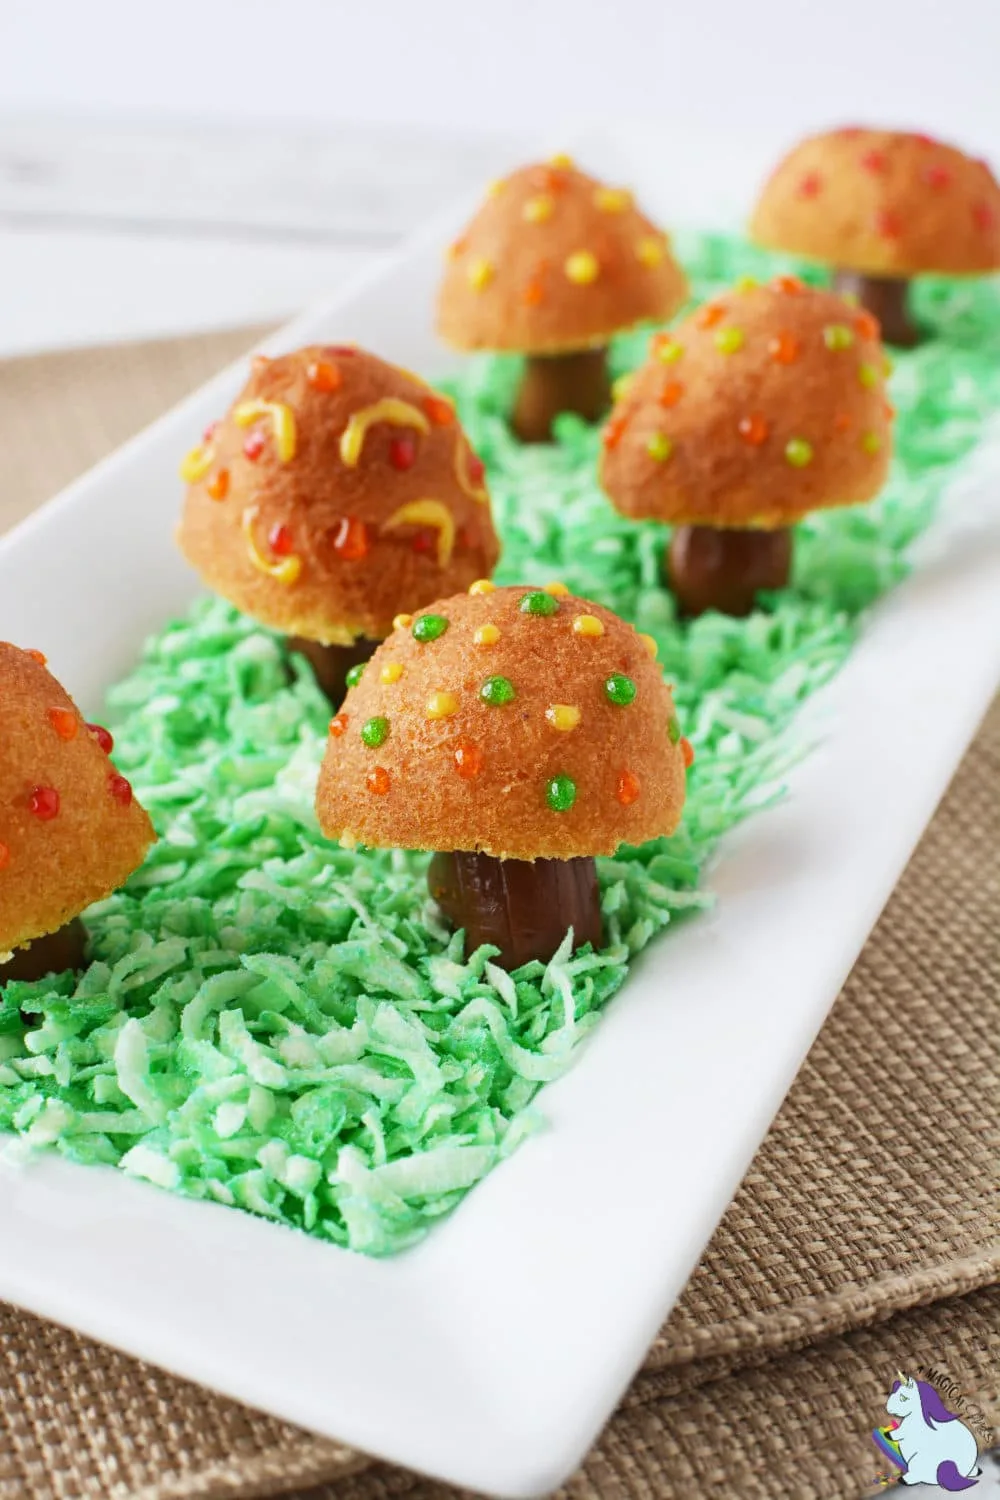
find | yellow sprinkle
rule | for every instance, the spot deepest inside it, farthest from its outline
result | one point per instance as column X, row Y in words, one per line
column 430, row 513
column 480, row 273
column 649, row 643
column 563, row 716
column 487, row 635
column 441, row 706
column 389, row 409
column 348, row 841
column 561, row 160
column 557, row 590
column 482, row 586
column 496, row 187
column 612, row 200
column 747, row 283
column 582, row 267
column 537, row 210
column 621, row 386
column 649, row 251
column 196, row 464
column 871, row 442
column 887, row 365
column 402, row 622
column 282, row 420
column 669, row 351
column 391, row 672
column 659, row 447
column 589, row 626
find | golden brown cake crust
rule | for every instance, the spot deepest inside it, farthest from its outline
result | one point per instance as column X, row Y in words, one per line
column 58, row 853
column 555, row 261
column 763, row 405
column 346, row 510
column 882, row 202
column 478, row 778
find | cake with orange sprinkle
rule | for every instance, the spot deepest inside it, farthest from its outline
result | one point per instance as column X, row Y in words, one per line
column 551, row 265
column 518, row 732
column 883, row 206
column 766, row 403
column 337, row 490
column 71, row 831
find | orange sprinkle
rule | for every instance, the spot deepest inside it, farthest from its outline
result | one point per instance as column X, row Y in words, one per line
column 351, row 541
column 440, row 411
column 38, row 656
column 687, row 750
column 888, row 411
column 784, row 349
column 64, row 722
column 323, row 376
column 338, row 725
column 753, row 429
column 711, row 313
column 457, row 248
column 613, row 431
column 377, row 781
column 468, row 758
column 4, row 856
column 218, row 485
column 627, row 790
column 790, row 284
column 671, row 393
column 867, row 325
column 842, row 422
column 259, row 362
column 533, row 292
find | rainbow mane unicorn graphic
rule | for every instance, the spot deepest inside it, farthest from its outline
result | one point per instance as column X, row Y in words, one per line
column 927, row 1443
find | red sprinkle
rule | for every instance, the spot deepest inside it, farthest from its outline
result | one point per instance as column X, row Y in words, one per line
column 475, row 468
column 687, row 750
column 323, row 376
column 792, row 285
column 120, row 789
column 753, row 429
column 671, row 393
column 467, row 538
column 983, row 216
column 873, row 161
column 924, row 140
column 867, row 325
column 338, row 725
column 423, row 542
column 38, row 656
column 103, row 737
column 4, row 856
column 341, row 350
column 402, row 453
column 613, row 430
column 279, row 539
column 937, row 176
column 440, row 411
column 210, row 432
column 784, row 348
column 842, row 422
column 254, row 444
column 64, row 722
column 468, row 758
column 887, row 224
column 810, row 185
column 627, row 790
column 710, row 314
column 351, row 540
column 377, row 781
column 44, row 802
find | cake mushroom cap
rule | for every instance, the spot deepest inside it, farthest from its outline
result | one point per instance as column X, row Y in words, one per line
column 518, row 722
column 337, row 490
column 70, row 829
column 764, row 404
column 883, row 203
column 555, row 261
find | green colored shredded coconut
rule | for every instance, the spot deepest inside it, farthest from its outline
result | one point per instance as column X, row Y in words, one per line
column 278, row 1024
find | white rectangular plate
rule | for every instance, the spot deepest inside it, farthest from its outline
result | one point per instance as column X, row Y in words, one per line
column 492, row 1354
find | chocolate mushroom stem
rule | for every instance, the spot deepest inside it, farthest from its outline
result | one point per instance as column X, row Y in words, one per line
column 887, row 297
column 553, row 383
column 725, row 568
column 522, row 907
column 331, row 664
column 52, row 954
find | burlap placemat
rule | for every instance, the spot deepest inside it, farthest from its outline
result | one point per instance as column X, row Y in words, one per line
column 874, row 1195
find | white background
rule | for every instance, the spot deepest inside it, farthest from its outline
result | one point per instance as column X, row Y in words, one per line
column 210, row 162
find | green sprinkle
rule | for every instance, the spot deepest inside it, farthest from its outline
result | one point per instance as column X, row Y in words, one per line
column 868, row 376
column 539, row 603
column 659, row 447
column 798, row 452
column 560, row 793
column 871, row 442
column 729, row 340
column 429, row 628
column 375, row 732
column 674, row 729
column 620, row 689
column 838, row 336
column 355, row 675
column 497, row 691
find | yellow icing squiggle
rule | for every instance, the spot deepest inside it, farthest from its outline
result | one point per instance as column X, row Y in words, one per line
column 282, row 420
column 285, row 571
column 477, row 492
column 197, row 462
column 389, row 409
column 427, row 513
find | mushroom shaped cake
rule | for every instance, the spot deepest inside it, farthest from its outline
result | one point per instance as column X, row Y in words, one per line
column 551, row 266
column 765, row 404
column 883, row 206
column 70, row 829
column 337, row 491
column 453, row 740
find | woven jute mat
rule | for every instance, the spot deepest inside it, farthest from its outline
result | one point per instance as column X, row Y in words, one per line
column 865, row 1236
